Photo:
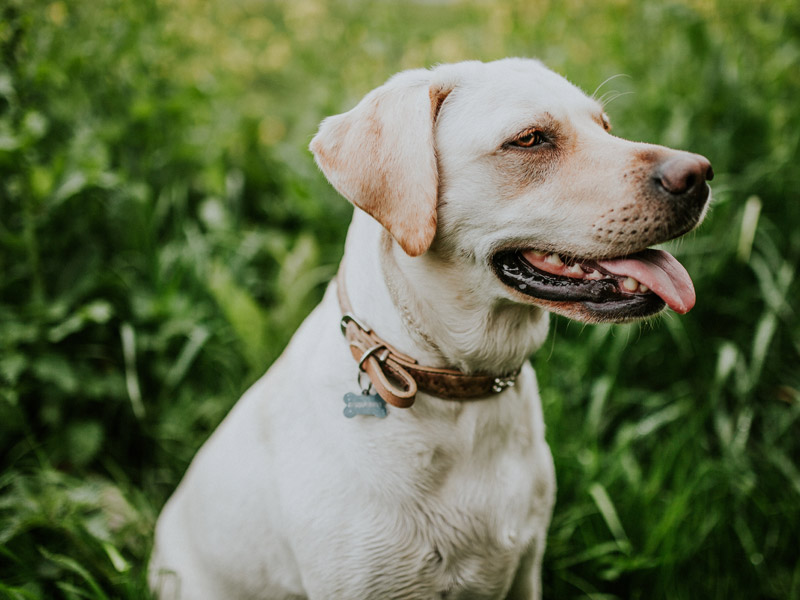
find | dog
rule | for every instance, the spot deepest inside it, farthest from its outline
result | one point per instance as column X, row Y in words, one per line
column 486, row 195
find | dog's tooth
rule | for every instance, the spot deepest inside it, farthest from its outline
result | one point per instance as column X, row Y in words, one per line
column 630, row 284
column 592, row 274
column 575, row 270
column 643, row 288
column 537, row 253
column 553, row 259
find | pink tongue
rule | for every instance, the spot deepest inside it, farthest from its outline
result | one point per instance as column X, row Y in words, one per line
column 659, row 271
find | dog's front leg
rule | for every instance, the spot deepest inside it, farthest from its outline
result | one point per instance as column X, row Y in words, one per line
column 527, row 584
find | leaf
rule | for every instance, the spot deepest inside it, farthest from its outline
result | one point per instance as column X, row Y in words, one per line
column 57, row 370
column 785, row 466
column 761, row 344
column 84, row 440
column 187, row 355
column 747, row 233
column 34, row 125
column 16, row 593
column 6, row 85
column 245, row 316
column 73, row 566
column 663, row 417
column 606, row 507
column 97, row 311
column 12, row 365
column 116, row 558
column 72, row 184
column 128, row 336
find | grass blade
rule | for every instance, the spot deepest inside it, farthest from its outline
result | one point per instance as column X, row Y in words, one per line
column 606, row 507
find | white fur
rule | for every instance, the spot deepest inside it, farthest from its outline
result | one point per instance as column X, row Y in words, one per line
column 290, row 499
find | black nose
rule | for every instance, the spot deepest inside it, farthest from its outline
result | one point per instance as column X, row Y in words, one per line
column 685, row 175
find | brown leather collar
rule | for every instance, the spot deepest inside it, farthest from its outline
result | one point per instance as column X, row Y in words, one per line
column 397, row 377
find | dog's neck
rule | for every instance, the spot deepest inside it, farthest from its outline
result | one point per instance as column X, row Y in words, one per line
column 435, row 311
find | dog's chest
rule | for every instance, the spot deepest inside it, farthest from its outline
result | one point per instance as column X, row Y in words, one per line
column 455, row 548
column 450, row 514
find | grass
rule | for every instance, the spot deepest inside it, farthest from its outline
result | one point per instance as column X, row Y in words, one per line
column 163, row 231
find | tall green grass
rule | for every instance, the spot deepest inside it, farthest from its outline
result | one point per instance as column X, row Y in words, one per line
column 163, row 231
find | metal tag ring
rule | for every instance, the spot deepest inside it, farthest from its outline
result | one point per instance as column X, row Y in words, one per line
column 370, row 352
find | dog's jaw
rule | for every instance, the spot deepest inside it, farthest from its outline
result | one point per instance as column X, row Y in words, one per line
column 470, row 333
column 441, row 316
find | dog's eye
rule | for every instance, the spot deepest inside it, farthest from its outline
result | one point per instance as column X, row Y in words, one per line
column 529, row 139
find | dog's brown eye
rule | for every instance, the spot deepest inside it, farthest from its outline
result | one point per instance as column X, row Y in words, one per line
column 529, row 139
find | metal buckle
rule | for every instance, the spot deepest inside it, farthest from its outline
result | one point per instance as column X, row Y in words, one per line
column 501, row 383
column 370, row 351
column 347, row 317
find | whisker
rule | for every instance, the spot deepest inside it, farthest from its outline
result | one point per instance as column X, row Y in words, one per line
column 610, row 96
column 594, row 94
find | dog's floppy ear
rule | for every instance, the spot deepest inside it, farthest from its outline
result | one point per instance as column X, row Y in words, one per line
column 381, row 156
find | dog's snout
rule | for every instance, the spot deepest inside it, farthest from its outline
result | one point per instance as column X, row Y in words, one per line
column 685, row 175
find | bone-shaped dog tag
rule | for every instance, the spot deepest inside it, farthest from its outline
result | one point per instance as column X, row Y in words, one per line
column 364, row 404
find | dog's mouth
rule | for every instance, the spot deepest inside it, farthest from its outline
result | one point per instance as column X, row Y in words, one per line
column 618, row 289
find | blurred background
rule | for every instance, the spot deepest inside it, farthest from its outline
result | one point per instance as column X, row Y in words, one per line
column 163, row 230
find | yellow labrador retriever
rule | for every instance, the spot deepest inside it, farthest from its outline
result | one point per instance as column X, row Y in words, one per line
column 406, row 458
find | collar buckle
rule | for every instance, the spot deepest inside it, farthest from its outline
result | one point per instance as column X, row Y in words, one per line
column 350, row 317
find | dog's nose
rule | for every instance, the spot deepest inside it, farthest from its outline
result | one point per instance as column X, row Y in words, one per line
column 685, row 175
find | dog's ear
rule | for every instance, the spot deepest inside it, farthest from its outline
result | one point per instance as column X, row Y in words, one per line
column 381, row 156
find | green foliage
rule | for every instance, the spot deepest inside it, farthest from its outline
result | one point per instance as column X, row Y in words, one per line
column 163, row 231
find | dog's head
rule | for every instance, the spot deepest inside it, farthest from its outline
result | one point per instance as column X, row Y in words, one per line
column 510, row 169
